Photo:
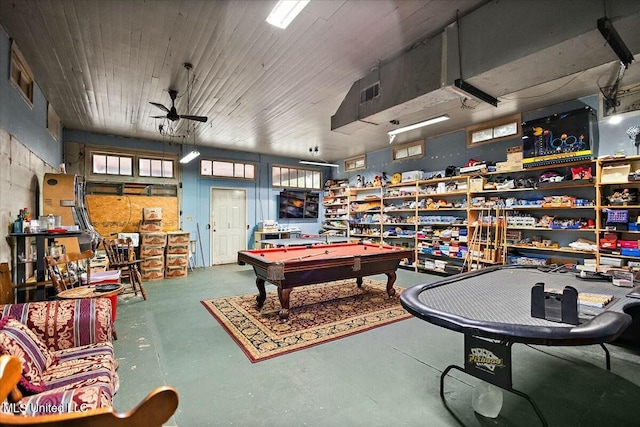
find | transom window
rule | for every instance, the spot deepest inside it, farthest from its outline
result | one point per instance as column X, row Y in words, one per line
column 155, row 167
column 285, row 176
column 107, row 164
column 21, row 75
column 227, row 169
column 495, row 130
column 409, row 150
column 355, row 163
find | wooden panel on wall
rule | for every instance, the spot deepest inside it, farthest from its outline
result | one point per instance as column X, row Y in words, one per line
column 123, row 214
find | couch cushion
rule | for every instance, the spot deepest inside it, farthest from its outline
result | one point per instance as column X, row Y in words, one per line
column 16, row 339
column 83, row 365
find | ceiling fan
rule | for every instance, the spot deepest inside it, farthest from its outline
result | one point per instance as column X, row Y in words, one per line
column 172, row 113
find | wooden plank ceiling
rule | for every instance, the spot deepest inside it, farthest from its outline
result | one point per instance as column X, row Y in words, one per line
column 264, row 89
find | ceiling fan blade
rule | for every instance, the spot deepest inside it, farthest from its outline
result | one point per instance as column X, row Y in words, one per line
column 202, row 119
column 158, row 117
column 160, row 106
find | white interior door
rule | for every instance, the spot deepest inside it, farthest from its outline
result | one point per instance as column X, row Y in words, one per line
column 228, row 224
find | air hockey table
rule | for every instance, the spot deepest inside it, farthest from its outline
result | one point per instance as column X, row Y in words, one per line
column 493, row 309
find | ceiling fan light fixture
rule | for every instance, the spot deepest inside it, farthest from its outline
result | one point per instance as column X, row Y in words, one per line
column 190, row 156
column 285, row 11
column 424, row 123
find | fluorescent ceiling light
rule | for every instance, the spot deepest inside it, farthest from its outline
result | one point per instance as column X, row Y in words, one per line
column 190, row 156
column 305, row 162
column 419, row 125
column 285, row 11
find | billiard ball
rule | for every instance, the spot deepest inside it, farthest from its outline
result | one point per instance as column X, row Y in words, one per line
column 262, row 254
column 365, row 248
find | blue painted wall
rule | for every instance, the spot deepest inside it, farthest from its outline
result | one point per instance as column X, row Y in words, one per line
column 27, row 123
column 450, row 149
column 262, row 199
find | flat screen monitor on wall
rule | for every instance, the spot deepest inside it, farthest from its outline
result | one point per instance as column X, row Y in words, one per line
column 298, row 204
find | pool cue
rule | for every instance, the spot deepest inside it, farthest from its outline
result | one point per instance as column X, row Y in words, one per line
column 469, row 259
column 481, row 252
column 300, row 258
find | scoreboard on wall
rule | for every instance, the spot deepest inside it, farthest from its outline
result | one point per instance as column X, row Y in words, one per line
column 560, row 138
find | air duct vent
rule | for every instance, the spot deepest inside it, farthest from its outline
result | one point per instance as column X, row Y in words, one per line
column 369, row 93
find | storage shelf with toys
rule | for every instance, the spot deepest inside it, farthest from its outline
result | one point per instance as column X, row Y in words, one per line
column 618, row 212
column 428, row 215
column 541, row 209
column 365, row 209
column 336, row 209
column 534, row 215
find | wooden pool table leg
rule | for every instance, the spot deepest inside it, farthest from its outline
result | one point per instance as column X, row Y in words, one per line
column 262, row 293
column 391, row 279
column 283, row 295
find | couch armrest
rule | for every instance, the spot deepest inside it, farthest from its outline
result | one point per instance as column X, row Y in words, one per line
column 63, row 324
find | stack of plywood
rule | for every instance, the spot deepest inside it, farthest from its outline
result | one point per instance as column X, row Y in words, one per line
column 152, row 244
column 177, row 254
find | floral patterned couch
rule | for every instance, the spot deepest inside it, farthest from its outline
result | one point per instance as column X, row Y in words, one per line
column 66, row 353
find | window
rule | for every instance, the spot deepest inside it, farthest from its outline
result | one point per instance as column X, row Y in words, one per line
column 355, row 163
column 105, row 164
column 409, row 150
column 155, row 167
column 506, row 127
column 53, row 123
column 227, row 169
column 20, row 75
column 284, row 176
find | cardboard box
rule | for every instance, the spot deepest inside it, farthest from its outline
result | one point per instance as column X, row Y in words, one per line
column 177, row 260
column 151, row 263
column 476, row 184
column 151, row 227
column 615, row 174
column 152, row 214
column 151, row 251
column 177, row 238
column 173, row 273
column 509, row 166
column 153, row 239
column 178, row 249
column 151, row 275
column 514, row 154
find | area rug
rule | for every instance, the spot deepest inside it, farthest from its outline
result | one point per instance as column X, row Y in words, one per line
column 318, row 314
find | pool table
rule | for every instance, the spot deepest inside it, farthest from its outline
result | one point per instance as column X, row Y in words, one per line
column 288, row 268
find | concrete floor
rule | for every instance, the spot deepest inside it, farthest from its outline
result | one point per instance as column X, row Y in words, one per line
column 388, row 376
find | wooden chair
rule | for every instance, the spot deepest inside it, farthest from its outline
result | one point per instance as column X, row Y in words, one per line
column 153, row 411
column 65, row 270
column 6, row 286
column 122, row 256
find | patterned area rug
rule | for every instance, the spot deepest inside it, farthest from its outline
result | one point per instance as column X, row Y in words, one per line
column 318, row 314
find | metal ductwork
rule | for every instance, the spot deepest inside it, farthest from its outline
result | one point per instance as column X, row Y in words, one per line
column 499, row 55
